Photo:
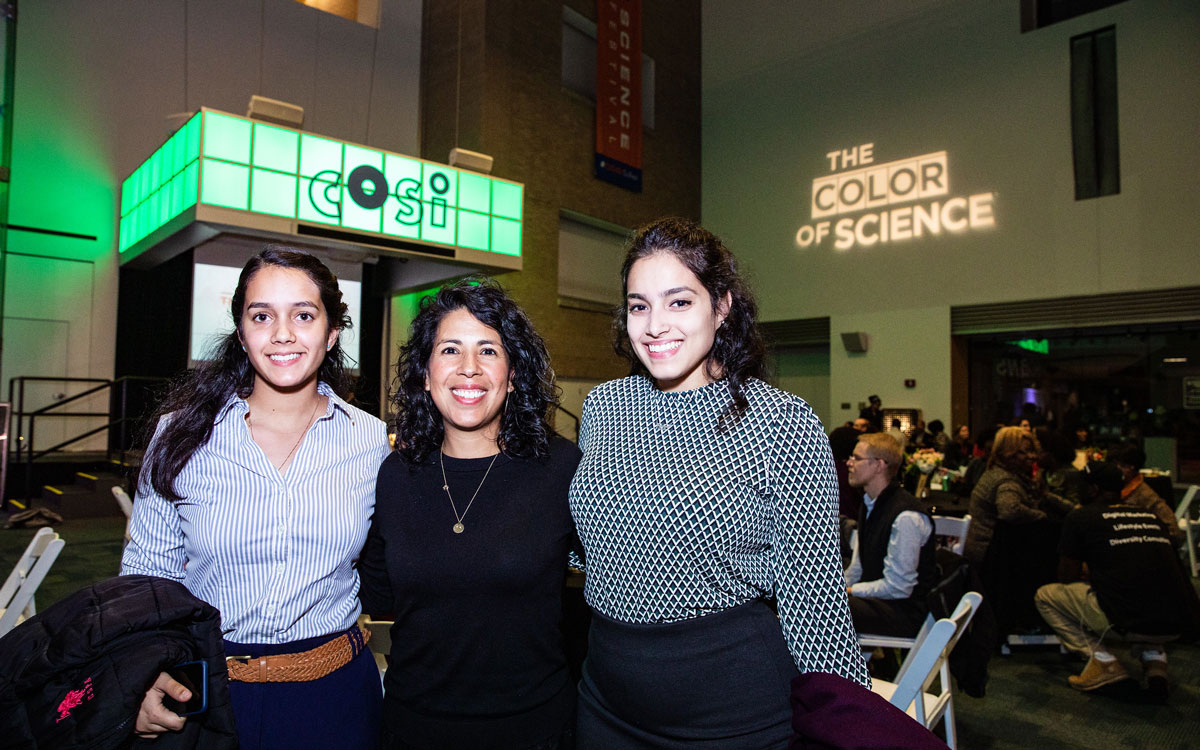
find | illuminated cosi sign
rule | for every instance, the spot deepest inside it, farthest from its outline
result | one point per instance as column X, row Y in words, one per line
column 235, row 172
column 894, row 201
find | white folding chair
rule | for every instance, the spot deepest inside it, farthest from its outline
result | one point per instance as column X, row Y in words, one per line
column 1190, row 526
column 16, row 597
column 929, row 658
column 126, row 505
column 955, row 531
column 123, row 500
column 381, row 640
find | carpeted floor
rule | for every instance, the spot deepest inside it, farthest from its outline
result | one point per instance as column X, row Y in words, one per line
column 1030, row 705
column 1028, row 702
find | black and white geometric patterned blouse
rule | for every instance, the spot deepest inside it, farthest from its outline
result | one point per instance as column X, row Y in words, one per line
column 679, row 521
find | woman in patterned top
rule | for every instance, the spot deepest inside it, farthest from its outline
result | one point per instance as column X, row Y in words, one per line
column 705, row 500
column 256, row 493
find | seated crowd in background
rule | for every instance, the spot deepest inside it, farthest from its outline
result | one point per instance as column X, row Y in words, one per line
column 1026, row 491
column 1133, row 588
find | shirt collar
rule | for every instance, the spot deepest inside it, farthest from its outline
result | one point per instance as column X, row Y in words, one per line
column 869, row 502
column 335, row 402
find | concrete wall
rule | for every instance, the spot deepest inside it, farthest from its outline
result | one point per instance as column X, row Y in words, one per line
column 910, row 344
column 805, row 372
column 958, row 78
column 95, row 84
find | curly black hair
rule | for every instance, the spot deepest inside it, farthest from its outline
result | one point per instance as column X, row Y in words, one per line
column 738, row 352
column 195, row 398
column 525, row 429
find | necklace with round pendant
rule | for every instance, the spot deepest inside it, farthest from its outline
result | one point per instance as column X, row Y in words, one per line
column 458, row 519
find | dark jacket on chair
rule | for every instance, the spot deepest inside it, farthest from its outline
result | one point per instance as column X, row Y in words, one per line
column 969, row 659
column 75, row 674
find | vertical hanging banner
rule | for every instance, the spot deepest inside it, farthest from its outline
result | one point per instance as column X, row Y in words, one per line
column 619, row 93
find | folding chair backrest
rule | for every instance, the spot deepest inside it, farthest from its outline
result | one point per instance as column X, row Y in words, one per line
column 921, row 664
column 955, row 528
column 16, row 597
column 1191, row 527
column 123, row 500
column 932, row 648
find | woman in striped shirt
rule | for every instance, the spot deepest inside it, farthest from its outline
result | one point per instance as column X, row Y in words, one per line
column 256, row 493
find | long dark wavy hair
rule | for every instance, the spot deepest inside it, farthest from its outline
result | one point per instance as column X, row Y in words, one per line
column 525, row 422
column 194, row 400
column 738, row 352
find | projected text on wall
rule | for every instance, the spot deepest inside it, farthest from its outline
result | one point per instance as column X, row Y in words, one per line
column 899, row 200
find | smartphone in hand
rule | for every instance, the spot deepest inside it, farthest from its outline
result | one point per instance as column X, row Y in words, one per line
column 193, row 675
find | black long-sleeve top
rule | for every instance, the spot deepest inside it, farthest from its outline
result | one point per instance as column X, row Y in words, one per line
column 477, row 655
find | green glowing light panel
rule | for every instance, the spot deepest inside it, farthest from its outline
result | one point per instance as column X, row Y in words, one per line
column 242, row 173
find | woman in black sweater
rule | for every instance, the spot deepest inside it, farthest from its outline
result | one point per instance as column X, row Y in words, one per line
column 472, row 532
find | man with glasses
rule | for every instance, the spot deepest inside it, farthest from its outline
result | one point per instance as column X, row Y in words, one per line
column 893, row 566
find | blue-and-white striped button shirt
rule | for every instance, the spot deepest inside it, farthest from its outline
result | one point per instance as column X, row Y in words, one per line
column 275, row 554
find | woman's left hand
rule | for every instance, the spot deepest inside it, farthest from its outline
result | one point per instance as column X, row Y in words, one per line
column 153, row 717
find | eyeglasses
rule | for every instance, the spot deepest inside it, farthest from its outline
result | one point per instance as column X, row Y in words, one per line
column 853, row 457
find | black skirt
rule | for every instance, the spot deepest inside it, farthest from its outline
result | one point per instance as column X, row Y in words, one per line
column 722, row 680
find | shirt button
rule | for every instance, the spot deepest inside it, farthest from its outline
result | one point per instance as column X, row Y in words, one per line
column 271, row 609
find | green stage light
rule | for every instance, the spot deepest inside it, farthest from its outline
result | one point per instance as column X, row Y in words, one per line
column 226, row 137
column 224, row 184
column 276, row 148
column 474, row 193
column 218, row 159
column 473, row 230
column 272, row 193
column 506, row 236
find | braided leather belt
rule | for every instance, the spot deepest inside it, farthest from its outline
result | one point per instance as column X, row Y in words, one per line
column 305, row 666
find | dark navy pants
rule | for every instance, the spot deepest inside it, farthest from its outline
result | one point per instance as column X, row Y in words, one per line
column 340, row 710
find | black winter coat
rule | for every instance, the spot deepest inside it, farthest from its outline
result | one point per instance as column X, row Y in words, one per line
column 74, row 675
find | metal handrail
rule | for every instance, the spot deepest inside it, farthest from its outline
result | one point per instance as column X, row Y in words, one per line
column 68, row 441
column 572, row 415
column 20, row 442
column 24, row 443
column 45, row 379
column 69, row 399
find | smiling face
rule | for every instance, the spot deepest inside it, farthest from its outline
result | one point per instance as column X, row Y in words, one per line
column 284, row 329
column 468, row 376
column 671, row 322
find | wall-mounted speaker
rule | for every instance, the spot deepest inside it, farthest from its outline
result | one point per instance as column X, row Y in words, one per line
column 855, row 341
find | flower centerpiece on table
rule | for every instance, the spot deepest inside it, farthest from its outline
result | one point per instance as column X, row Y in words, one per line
column 924, row 462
